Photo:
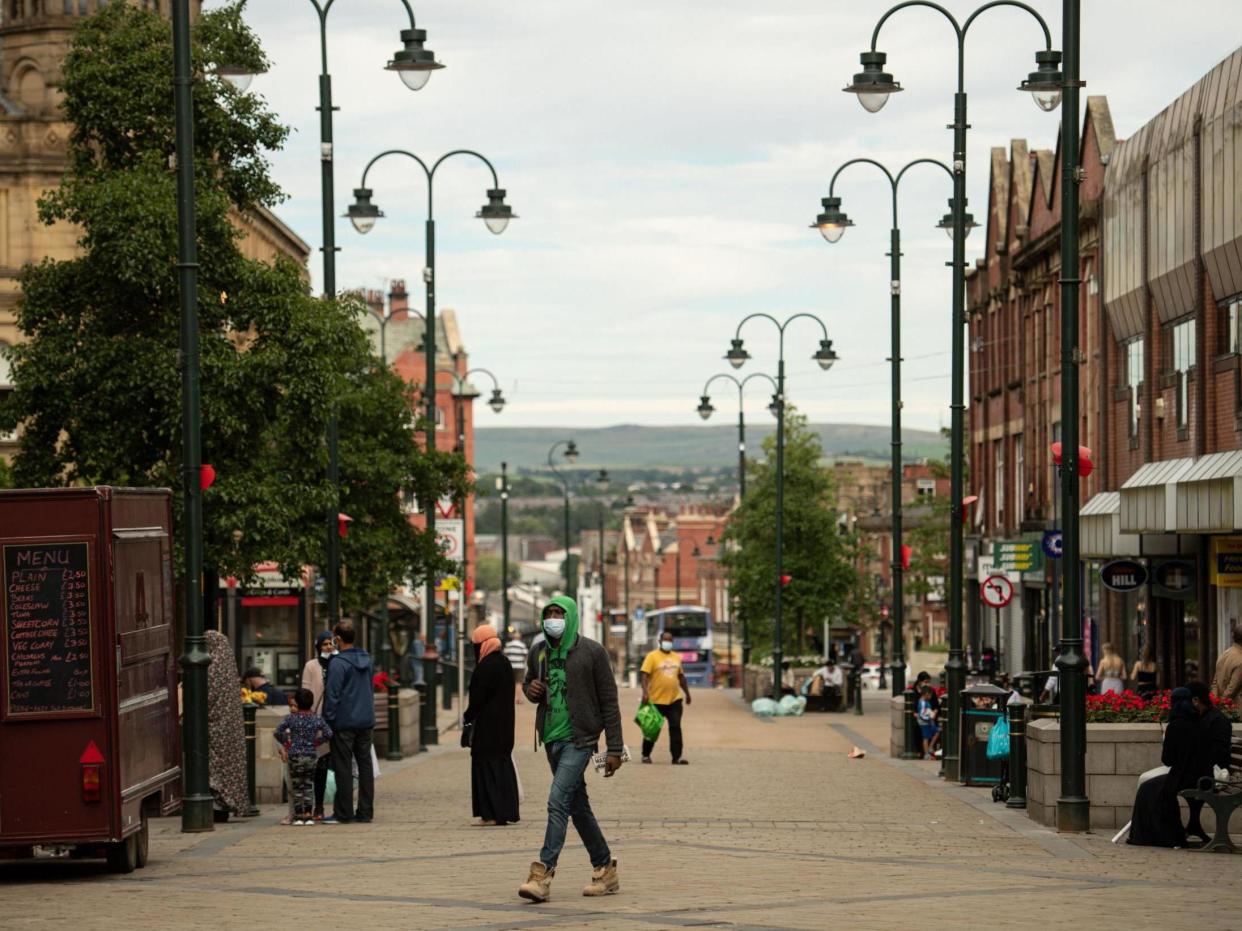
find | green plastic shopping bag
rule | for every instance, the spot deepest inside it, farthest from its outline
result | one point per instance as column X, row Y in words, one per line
column 649, row 720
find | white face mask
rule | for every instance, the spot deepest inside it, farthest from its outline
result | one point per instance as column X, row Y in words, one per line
column 554, row 627
column 666, row 645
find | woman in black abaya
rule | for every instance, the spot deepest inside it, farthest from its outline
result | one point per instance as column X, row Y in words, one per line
column 494, row 786
column 1157, row 820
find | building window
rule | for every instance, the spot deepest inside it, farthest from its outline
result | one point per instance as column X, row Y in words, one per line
column 998, row 478
column 1134, row 382
column 1183, row 362
column 926, row 487
column 1231, row 314
column 439, row 418
column 6, row 385
column 1019, row 478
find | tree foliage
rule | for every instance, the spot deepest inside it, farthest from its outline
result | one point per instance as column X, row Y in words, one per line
column 97, row 383
column 819, row 559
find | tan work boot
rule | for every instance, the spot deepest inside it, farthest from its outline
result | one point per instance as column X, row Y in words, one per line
column 538, row 885
column 604, row 881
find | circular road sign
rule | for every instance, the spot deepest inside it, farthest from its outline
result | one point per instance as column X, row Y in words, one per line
column 996, row 591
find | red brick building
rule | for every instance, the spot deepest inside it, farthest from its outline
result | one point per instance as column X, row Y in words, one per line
column 1161, row 404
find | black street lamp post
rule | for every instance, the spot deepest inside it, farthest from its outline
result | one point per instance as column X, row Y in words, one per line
column 705, row 410
column 571, row 456
column 414, row 65
column 502, row 486
column 363, row 214
column 737, row 356
column 832, row 224
column 874, row 86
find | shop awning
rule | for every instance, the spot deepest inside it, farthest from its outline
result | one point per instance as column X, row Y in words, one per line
column 1148, row 501
column 1209, row 494
column 1101, row 529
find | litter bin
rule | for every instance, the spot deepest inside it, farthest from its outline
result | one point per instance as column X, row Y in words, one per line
column 982, row 707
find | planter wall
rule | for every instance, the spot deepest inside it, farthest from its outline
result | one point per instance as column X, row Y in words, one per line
column 1116, row 755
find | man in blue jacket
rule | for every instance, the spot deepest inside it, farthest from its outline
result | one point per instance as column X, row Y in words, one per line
column 349, row 708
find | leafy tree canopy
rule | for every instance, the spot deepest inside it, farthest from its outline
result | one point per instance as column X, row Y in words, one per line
column 97, row 387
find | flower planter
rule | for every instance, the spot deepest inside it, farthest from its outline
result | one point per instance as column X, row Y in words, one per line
column 1116, row 755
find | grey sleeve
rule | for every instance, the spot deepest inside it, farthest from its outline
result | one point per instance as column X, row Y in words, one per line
column 609, row 705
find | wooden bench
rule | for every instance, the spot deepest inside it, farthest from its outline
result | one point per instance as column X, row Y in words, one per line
column 1224, row 797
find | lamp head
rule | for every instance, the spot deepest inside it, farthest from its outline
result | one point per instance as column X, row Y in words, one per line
column 737, row 354
column 413, row 63
column 602, row 479
column 825, row 355
column 833, row 221
column 496, row 214
column 946, row 222
column 1044, row 83
column 705, row 407
column 873, row 84
column 497, row 402
column 571, row 451
column 239, row 76
column 774, row 406
column 362, row 213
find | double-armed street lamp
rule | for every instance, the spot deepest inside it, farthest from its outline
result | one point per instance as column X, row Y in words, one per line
column 571, row 456
column 496, row 214
column 736, row 357
column 832, row 224
column 413, row 64
column 705, row 410
column 874, row 86
column 502, row 486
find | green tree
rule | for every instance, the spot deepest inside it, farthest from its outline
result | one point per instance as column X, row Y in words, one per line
column 487, row 571
column 97, row 382
column 817, row 557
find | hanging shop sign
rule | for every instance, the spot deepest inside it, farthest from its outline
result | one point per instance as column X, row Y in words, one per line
column 1025, row 555
column 1123, row 575
column 1173, row 578
column 1227, row 562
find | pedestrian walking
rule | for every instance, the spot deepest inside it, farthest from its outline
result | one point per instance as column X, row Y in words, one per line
column 571, row 680
column 1227, row 677
column 663, row 682
column 1111, row 671
column 300, row 736
column 516, row 653
column 349, row 709
column 488, row 731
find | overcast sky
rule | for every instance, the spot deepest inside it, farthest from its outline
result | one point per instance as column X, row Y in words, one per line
column 666, row 159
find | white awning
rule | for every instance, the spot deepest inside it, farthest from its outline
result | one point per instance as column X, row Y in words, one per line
column 1148, row 502
column 1101, row 529
column 1209, row 494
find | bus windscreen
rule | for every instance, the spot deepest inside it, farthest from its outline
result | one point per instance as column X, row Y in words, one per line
column 686, row 623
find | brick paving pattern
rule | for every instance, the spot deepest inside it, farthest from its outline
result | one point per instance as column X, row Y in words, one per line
column 770, row 827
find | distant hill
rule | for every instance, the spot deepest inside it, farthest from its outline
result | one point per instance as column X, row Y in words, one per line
column 634, row 446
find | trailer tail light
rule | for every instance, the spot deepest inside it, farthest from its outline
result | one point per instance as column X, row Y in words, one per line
column 92, row 773
column 90, row 782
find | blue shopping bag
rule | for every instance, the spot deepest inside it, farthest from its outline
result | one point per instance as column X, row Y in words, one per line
column 998, row 740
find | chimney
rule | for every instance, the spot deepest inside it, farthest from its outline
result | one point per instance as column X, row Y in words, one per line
column 398, row 300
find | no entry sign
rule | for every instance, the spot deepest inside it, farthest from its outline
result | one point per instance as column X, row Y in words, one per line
column 996, row 591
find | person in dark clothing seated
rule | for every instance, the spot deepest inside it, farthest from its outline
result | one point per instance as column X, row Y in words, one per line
column 257, row 682
column 1193, row 744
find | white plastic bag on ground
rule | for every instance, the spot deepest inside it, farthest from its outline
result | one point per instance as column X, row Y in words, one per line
column 792, row 705
column 765, row 707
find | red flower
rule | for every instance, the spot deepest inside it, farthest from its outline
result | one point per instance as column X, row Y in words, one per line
column 379, row 681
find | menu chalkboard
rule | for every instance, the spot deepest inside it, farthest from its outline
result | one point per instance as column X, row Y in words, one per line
column 47, row 635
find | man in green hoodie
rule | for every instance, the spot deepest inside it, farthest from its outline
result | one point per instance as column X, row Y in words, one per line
column 570, row 679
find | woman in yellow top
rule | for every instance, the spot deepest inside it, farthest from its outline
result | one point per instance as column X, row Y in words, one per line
column 663, row 683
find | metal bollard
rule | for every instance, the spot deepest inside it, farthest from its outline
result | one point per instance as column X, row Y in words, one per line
column 911, row 729
column 248, row 712
column 856, row 676
column 429, row 729
column 448, row 684
column 394, row 722
column 1017, row 755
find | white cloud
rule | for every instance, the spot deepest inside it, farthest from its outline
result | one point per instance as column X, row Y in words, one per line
column 666, row 161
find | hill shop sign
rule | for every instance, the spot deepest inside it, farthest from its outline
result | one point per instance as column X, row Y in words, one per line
column 1123, row 575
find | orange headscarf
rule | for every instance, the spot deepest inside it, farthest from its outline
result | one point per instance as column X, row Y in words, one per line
column 485, row 634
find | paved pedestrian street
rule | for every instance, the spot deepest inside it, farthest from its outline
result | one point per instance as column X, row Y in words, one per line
column 771, row 826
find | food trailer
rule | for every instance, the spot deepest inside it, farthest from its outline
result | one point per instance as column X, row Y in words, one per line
column 89, row 736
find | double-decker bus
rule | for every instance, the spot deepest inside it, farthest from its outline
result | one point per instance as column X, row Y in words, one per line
column 691, row 628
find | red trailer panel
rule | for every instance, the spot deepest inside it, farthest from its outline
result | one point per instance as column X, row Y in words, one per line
column 89, row 736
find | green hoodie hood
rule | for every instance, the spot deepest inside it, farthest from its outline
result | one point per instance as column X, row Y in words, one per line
column 571, row 626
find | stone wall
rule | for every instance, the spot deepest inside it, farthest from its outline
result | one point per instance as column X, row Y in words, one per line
column 1116, row 755
column 896, row 733
column 269, row 771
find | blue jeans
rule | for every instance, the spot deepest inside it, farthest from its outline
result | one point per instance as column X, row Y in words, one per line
column 568, row 798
